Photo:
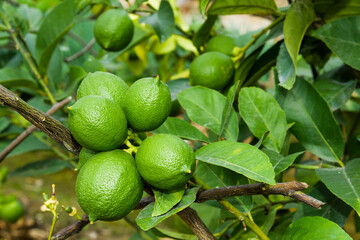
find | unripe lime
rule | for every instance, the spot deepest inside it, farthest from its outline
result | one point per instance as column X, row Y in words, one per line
column 147, row 104
column 97, row 123
column 221, row 43
column 212, row 69
column 109, row 186
column 114, row 30
column 165, row 161
column 103, row 84
column 11, row 211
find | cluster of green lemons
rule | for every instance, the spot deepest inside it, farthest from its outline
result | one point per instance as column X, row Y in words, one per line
column 103, row 119
column 110, row 181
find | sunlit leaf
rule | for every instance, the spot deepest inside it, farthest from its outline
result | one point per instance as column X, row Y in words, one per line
column 239, row 157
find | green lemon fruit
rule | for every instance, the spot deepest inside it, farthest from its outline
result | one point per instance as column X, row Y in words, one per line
column 103, row 84
column 109, row 186
column 84, row 155
column 97, row 123
column 212, row 69
column 221, row 43
column 114, row 30
column 147, row 104
column 165, row 161
column 11, row 211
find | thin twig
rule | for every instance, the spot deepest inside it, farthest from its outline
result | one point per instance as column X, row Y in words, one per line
column 82, row 42
column 82, row 52
column 290, row 189
column 31, row 129
column 49, row 125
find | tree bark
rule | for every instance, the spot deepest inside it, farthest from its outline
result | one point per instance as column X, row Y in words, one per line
column 44, row 122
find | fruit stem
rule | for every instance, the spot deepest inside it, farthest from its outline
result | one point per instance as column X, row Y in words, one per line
column 134, row 137
column 132, row 149
column 157, row 78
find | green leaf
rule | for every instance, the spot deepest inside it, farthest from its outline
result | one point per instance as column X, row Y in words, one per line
column 335, row 210
column 239, row 157
column 341, row 9
column 279, row 162
column 240, row 76
column 54, row 27
column 176, row 86
column 141, row 33
column 318, row 227
column 201, row 36
column 30, row 144
column 335, row 93
column 165, row 200
column 342, row 37
column 11, row 77
column 173, row 235
column 343, row 182
column 145, row 220
column 285, row 68
column 299, row 17
column 43, row 167
column 262, row 114
column 315, row 126
column 203, row 5
column 162, row 21
column 215, row 177
column 181, row 129
column 257, row 7
column 135, row 5
column 4, row 123
column 205, row 107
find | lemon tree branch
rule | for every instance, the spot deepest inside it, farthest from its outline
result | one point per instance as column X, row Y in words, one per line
column 291, row 189
column 31, row 129
column 49, row 125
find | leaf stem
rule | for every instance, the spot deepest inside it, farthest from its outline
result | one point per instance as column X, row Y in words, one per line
column 28, row 57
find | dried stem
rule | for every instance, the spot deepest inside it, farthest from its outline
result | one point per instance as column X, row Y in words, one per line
column 44, row 122
column 30, row 130
column 192, row 219
column 290, row 189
